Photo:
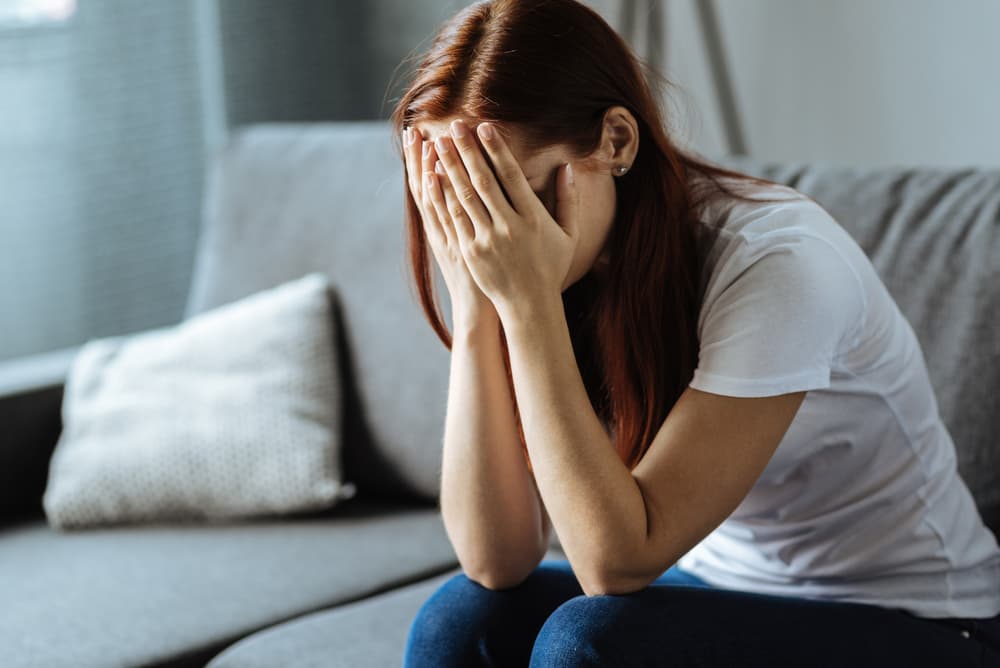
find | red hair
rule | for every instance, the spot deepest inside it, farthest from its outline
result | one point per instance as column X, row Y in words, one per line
column 550, row 69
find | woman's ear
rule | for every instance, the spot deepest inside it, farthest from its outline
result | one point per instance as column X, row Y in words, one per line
column 619, row 137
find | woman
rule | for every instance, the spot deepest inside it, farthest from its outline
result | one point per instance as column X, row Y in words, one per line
column 696, row 377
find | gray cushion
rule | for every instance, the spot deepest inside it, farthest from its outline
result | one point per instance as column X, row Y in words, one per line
column 129, row 596
column 369, row 633
column 933, row 235
column 233, row 414
column 284, row 200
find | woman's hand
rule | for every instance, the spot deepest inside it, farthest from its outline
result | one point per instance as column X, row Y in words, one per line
column 469, row 306
column 515, row 250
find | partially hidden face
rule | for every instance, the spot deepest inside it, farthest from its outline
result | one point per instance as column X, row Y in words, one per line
column 595, row 186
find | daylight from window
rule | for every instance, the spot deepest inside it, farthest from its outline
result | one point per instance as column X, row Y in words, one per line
column 14, row 13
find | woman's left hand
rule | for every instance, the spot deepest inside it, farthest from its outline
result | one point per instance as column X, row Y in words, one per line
column 516, row 252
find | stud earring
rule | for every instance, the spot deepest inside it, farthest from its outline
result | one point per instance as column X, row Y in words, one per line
column 620, row 171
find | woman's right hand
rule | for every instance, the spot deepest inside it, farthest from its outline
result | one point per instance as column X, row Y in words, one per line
column 470, row 306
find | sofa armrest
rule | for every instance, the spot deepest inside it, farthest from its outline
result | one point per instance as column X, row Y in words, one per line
column 31, row 390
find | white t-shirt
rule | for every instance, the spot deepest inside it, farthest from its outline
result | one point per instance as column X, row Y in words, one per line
column 861, row 501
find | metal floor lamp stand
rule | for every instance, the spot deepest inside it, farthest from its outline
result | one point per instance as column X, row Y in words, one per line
column 711, row 36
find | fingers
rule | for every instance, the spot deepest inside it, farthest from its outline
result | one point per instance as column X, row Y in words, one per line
column 508, row 170
column 438, row 208
column 427, row 156
column 472, row 177
column 413, row 147
column 411, row 153
column 448, row 205
column 460, row 188
column 567, row 200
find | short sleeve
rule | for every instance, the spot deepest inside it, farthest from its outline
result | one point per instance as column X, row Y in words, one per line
column 782, row 313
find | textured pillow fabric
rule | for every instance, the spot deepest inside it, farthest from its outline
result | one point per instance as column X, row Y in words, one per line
column 233, row 413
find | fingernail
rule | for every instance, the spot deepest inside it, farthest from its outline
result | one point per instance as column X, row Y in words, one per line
column 441, row 145
column 407, row 137
column 439, row 168
column 486, row 131
column 427, row 149
column 569, row 174
column 458, row 128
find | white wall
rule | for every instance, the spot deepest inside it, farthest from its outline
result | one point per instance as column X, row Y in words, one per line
column 850, row 81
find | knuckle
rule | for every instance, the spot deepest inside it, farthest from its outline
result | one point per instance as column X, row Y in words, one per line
column 483, row 181
column 482, row 245
column 456, row 211
column 468, row 193
column 508, row 172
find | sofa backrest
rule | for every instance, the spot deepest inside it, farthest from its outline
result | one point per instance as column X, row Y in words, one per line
column 283, row 200
column 933, row 235
column 286, row 199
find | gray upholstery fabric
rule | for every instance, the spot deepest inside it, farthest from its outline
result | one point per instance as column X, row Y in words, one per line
column 365, row 634
column 233, row 414
column 933, row 235
column 371, row 632
column 148, row 595
column 287, row 199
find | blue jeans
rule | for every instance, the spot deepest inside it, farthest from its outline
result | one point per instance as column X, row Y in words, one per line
column 678, row 620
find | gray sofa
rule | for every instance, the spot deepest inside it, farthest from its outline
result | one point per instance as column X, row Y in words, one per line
column 340, row 587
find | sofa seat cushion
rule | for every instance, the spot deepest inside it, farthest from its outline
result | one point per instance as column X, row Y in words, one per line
column 176, row 594
column 365, row 634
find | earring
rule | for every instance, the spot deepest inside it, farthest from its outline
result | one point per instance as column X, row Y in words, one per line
column 620, row 171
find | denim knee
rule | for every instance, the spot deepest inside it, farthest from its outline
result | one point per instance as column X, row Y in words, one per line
column 466, row 624
column 570, row 635
column 446, row 630
column 601, row 630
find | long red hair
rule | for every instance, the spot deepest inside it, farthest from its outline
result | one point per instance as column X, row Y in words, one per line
column 550, row 69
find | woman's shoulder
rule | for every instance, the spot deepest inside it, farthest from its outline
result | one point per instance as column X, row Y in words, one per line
column 773, row 215
column 769, row 206
column 790, row 229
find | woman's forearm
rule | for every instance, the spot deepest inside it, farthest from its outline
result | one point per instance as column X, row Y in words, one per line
column 489, row 502
column 596, row 505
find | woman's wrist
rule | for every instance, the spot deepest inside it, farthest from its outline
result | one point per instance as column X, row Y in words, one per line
column 475, row 321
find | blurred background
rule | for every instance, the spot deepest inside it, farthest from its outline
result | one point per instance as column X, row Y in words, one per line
column 109, row 110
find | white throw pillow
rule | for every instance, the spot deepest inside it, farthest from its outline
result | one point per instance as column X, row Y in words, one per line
column 233, row 413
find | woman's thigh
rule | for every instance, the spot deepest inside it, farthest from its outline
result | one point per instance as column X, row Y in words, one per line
column 663, row 625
